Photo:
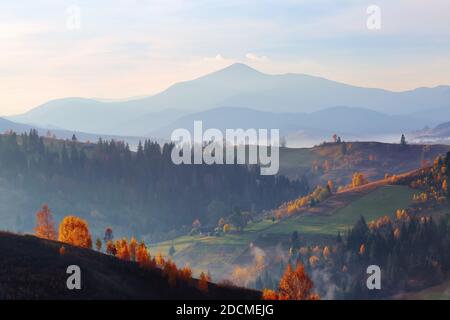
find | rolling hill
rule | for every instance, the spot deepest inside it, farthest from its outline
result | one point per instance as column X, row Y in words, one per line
column 237, row 85
column 317, row 225
column 33, row 268
column 373, row 159
column 7, row 125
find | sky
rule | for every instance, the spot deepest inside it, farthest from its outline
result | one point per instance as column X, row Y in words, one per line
column 116, row 49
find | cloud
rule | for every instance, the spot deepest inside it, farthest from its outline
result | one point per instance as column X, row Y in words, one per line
column 255, row 58
column 216, row 58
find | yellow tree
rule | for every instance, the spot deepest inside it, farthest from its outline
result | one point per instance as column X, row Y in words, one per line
column 45, row 227
column 358, row 179
column 75, row 231
column 226, row 228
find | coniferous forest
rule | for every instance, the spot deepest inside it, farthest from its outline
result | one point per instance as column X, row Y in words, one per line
column 143, row 190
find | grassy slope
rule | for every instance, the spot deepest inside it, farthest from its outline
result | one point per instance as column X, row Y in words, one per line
column 32, row 268
column 382, row 201
column 218, row 253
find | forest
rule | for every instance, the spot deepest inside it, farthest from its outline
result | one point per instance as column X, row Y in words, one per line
column 140, row 191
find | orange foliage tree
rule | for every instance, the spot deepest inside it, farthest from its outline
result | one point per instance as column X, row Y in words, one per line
column 142, row 255
column 268, row 294
column 111, row 248
column 75, row 231
column 186, row 273
column 45, row 227
column 123, row 251
column 203, row 282
column 132, row 249
column 296, row 285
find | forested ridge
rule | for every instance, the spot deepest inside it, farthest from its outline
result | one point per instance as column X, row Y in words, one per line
column 143, row 190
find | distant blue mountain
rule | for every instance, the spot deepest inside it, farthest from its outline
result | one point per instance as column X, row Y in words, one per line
column 237, row 85
column 342, row 120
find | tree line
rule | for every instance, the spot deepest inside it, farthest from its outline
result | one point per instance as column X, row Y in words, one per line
column 143, row 190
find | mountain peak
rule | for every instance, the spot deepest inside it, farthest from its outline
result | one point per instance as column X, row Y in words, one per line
column 238, row 69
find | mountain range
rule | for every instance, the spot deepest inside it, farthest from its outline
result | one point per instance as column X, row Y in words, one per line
column 239, row 96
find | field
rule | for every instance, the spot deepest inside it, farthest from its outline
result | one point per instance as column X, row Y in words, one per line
column 218, row 254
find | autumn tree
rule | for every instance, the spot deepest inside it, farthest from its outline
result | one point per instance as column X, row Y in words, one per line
column 75, row 231
column 203, row 282
column 132, row 248
column 45, row 227
column 330, row 185
column 362, row 249
column 226, row 228
column 123, row 251
column 358, row 179
column 98, row 244
column 142, row 255
column 296, row 285
column 268, row 294
column 186, row 273
column 111, row 248
column 160, row 261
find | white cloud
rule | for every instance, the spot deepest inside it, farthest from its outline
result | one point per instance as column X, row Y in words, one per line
column 217, row 58
column 255, row 58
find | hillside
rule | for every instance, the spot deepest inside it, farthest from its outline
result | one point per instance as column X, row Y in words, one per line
column 32, row 268
column 338, row 162
column 142, row 193
column 316, row 225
